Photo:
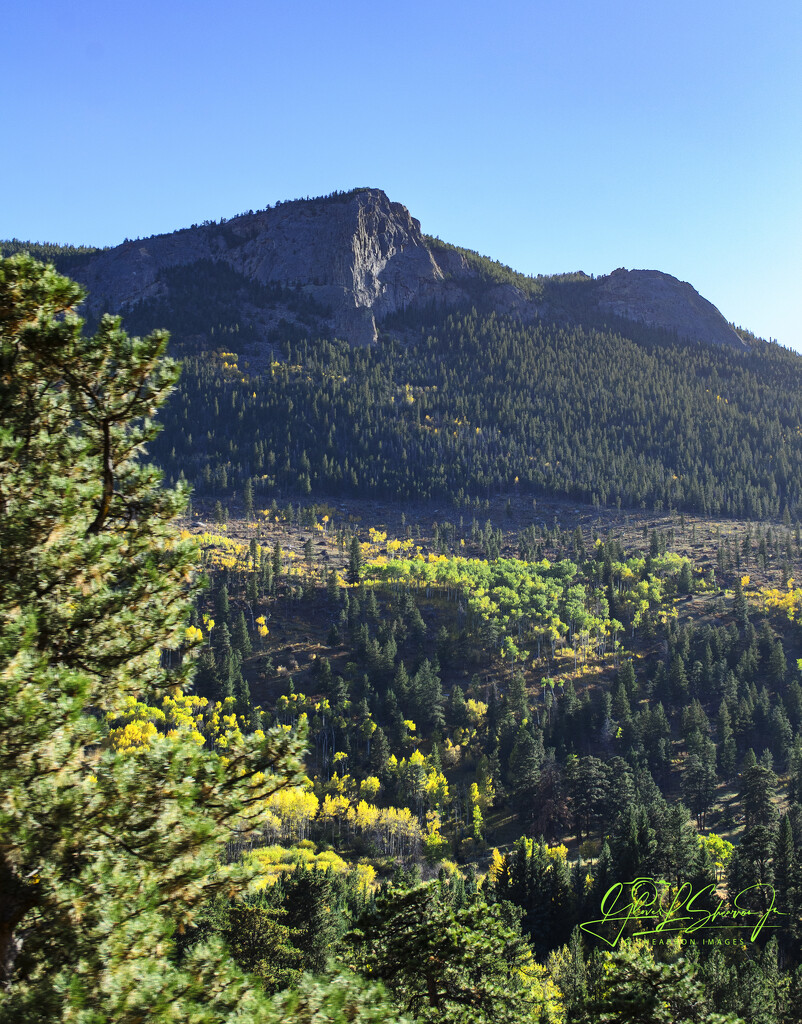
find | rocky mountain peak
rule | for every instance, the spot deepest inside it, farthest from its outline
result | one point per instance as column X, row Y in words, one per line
column 659, row 300
column 360, row 257
column 357, row 254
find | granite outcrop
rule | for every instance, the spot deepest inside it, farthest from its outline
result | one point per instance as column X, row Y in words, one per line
column 362, row 257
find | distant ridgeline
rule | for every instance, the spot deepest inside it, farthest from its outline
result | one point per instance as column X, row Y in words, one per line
column 457, row 377
column 67, row 258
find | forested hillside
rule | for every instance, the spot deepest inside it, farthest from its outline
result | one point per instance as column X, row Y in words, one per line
column 627, row 713
column 474, row 405
column 331, row 348
column 285, row 755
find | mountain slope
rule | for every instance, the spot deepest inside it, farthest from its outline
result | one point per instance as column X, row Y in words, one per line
column 475, row 404
column 357, row 258
column 659, row 300
column 331, row 348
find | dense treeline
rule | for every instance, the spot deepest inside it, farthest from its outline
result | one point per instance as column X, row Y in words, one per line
column 481, row 404
column 462, row 405
column 698, row 728
column 68, row 258
column 162, row 773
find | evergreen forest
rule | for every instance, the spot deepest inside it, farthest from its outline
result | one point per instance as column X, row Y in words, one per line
column 468, row 405
column 271, row 751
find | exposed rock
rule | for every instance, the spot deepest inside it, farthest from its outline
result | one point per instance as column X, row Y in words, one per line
column 363, row 257
column 660, row 300
column 360, row 255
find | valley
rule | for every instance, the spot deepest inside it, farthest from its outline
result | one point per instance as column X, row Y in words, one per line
column 494, row 602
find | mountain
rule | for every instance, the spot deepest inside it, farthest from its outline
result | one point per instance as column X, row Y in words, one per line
column 356, row 259
column 331, row 348
column 659, row 300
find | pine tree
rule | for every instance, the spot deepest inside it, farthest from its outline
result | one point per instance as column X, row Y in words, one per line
column 635, row 989
column 677, row 844
column 517, row 697
column 678, row 680
column 621, row 708
column 685, row 579
column 727, row 749
column 633, row 843
column 626, row 676
column 753, row 864
column 247, row 499
column 785, row 881
column 586, row 780
column 277, row 562
column 739, row 606
column 258, row 938
column 103, row 854
column 222, row 608
column 241, row 639
column 456, row 711
column 265, row 574
column 699, row 780
column 447, row 963
column 428, row 697
column 524, row 770
column 379, row 752
column 332, row 588
column 354, row 574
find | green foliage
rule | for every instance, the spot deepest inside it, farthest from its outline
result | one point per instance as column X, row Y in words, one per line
column 476, row 402
column 344, row 998
column 354, row 574
column 102, row 853
column 67, row 258
column 636, row 989
column 445, row 963
column 95, row 586
column 257, row 938
column 539, row 884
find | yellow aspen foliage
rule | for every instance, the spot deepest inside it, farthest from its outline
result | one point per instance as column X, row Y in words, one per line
column 435, row 845
column 132, row 736
column 720, row 850
column 273, row 861
column 364, row 816
column 193, row 635
column 369, row 787
column 787, row 601
column 497, row 862
column 366, row 876
column 437, row 792
column 476, row 710
column 294, row 808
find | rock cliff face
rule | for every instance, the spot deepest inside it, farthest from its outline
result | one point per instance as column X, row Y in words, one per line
column 359, row 255
column 659, row 300
column 362, row 257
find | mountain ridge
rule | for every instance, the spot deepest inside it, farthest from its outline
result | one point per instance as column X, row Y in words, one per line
column 359, row 258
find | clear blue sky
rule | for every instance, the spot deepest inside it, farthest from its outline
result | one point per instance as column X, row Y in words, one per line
column 551, row 135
